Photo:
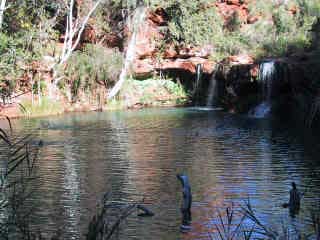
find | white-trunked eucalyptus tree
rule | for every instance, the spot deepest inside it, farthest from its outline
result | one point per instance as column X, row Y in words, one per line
column 74, row 30
column 2, row 9
column 75, row 26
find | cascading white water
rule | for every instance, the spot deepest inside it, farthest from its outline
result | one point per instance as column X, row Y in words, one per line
column 197, row 85
column 138, row 18
column 212, row 90
column 267, row 75
column 198, row 74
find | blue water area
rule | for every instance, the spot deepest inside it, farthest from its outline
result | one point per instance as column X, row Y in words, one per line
column 137, row 154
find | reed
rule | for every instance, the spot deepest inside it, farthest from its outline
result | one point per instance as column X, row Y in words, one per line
column 17, row 178
column 242, row 223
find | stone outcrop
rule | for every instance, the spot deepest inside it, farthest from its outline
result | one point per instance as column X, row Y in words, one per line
column 153, row 54
column 150, row 59
column 188, row 64
column 230, row 8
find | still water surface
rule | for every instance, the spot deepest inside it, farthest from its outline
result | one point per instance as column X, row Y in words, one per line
column 136, row 154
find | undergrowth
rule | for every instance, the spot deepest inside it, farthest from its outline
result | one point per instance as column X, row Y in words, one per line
column 45, row 107
column 154, row 91
column 91, row 69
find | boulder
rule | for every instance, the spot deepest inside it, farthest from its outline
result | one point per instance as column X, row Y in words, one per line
column 228, row 11
column 159, row 17
column 188, row 65
column 252, row 19
column 170, row 52
column 142, row 68
column 147, row 39
column 254, row 70
column 240, row 59
column 180, row 58
column 190, row 51
column 234, row 2
column 113, row 40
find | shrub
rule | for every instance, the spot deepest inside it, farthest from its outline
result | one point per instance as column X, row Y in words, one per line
column 279, row 32
column 44, row 108
column 192, row 24
column 95, row 66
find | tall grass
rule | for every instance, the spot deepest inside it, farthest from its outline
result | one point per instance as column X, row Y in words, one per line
column 242, row 223
column 18, row 174
column 45, row 107
column 87, row 71
column 154, row 91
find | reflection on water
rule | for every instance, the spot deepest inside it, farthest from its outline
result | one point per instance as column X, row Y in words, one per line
column 137, row 154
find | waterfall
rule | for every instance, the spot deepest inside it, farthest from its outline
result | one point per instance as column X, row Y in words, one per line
column 134, row 24
column 212, row 90
column 267, row 75
column 197, row 85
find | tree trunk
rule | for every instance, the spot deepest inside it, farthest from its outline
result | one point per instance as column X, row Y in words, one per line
column 74, row 31
column 2, row 8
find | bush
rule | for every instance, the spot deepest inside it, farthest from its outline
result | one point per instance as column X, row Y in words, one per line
column 95, row 66
column 191, row 24
column 156, row 92
column 279, row 32
column 11, row 55
column 45, row 108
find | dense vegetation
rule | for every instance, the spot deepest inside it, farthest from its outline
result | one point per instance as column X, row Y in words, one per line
column 283, row 28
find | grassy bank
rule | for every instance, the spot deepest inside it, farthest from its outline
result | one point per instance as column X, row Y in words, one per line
column 152, row 92
column 44, row 107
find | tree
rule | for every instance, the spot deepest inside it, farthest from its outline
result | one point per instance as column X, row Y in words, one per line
column 74, row 30
column 2, row 8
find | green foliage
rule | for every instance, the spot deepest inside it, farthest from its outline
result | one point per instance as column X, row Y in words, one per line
column 26, row 37
column 277, row 33
column 44, row 108
column 115, row 104
column 95, row 66
column 176, row 89
column 11, row 57
column 16, row 54
column 309, row 7
column 192, row 23
column 42, row 88
column 23, row 15
column 280, row 32
column 154, row 91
